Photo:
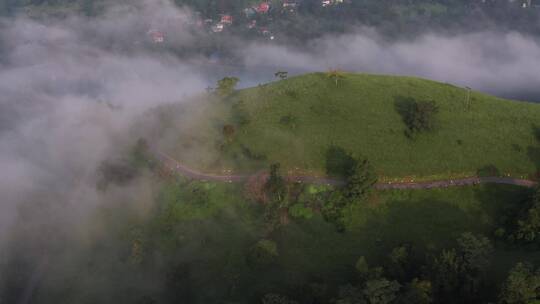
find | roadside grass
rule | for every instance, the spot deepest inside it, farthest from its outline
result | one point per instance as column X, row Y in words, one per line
column 295, row 121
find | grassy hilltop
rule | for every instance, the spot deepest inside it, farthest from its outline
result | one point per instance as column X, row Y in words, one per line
column 296, row 121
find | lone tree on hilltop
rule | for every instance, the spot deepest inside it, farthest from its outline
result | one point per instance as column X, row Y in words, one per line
column 226, row 86
column 281, row 75
column 335, row 75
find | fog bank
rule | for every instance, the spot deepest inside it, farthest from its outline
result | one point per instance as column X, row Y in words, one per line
column 503, row 64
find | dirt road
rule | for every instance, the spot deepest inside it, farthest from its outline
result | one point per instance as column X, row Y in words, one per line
column 176, row 166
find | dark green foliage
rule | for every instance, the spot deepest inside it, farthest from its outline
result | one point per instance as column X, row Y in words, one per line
column 528, row 222
column 332, row 210
column 300, row 211
column 475, row 251
column 362, row 267
column 418, row 116
column 401, row 264
column 360, row 180
column 380, row 291
column 459, row 271
column 521, row 286
column 373, row 291
column 226, row 86
column 275, row 185
column 339, row 162
column 416, row 292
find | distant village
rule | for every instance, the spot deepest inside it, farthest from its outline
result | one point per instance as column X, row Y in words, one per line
column 251, row 17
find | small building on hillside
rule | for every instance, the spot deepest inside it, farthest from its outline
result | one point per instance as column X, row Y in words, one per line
column 218, row 27
column 252, row 24
column 266, row 33
column 263, row 8
column 226, row 19
column 156, row 36
column 290, row 6
column 327, row 3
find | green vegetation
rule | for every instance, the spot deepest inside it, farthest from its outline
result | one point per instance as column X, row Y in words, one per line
column 306, row 260
column 524, row 225
column 204, row 242
column 418, row 116
column 363, row 115
column 226, row 86
column 522, row 285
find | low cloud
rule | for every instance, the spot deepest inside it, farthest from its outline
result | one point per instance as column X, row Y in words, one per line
column 69, row 92
column 505, row 64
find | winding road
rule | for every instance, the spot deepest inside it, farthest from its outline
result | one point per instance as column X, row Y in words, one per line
column 178, row 167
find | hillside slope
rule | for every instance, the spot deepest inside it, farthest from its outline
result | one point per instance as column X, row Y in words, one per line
column 295, row 121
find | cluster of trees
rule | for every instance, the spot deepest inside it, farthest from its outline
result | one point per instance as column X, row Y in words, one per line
column 453, row 275
column 522, row 226
column 283, row 197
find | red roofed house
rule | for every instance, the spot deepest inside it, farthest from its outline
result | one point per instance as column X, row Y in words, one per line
column 263, row 8
column 226, row 19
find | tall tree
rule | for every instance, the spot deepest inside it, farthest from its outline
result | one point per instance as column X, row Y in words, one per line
column 521, row 286
column 335, row 75
column 528, row 223
column 381, row 291
column 226, row 86
column 460, row 271
column 275, row 185
column 360, row 181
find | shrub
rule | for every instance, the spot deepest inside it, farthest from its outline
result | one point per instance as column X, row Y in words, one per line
column 418, row 116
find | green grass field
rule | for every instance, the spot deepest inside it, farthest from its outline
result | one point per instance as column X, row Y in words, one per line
column 295, row 121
